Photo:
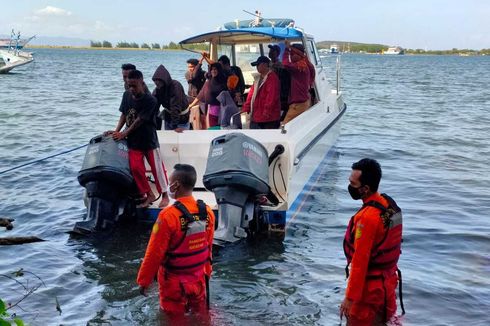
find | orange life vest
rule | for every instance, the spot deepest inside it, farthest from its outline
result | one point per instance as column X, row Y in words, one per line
column 191, row 253
column 385, row 254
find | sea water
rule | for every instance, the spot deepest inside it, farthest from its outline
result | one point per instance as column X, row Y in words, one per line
column 424, row 118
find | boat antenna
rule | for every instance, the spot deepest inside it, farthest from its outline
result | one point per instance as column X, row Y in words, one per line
column 258, row 18
column 256, row 14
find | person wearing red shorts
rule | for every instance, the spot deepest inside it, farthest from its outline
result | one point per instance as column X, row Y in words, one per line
column 139, row 111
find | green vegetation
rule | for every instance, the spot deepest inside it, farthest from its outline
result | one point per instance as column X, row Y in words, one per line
column 125, row 44
column 7, row 317
column 353, row 47
column 103, row 44
column 379, row 48
column 453, row 51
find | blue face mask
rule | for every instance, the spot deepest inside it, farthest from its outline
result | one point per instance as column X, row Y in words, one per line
column 354, row 192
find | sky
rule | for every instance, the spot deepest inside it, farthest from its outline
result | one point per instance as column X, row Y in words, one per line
column 423, row 24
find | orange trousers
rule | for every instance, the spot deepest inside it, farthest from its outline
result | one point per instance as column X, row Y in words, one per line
column 178, row 296
column 377, row 303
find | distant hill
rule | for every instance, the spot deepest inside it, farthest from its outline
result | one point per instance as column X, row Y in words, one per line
column 352, row 46
column 60, row 41
column 54, row 41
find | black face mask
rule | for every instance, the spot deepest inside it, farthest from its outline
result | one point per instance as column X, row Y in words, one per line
column 354, row 192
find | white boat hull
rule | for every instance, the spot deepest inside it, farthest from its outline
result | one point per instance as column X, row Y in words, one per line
column 306, row 139
column 13, row 59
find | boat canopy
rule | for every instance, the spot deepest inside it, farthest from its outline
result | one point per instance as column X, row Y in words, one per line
column 247, row 35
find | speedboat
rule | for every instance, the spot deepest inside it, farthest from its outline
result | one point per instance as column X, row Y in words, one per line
column 255, row 180
column 395, row 50
column 334, row 49
column 13, row 57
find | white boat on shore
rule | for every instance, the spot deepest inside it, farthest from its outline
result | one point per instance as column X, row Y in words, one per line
column 396, row 50
column 295, row 154
column 13, row 57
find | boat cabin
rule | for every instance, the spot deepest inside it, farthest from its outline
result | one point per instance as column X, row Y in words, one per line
column 244, row 41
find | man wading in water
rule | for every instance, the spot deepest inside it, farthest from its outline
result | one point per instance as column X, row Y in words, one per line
column 372, row 245
column 180, row 249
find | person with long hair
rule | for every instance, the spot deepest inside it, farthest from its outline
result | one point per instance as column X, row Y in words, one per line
column 215, row 84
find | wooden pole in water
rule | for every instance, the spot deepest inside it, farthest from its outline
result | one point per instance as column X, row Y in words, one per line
column 8, row 241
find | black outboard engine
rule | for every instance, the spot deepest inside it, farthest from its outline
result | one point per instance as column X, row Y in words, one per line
column 107, row 179
column 237, row 172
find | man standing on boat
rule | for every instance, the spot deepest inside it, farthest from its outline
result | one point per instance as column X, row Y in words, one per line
column 283, row 74
column 180, row 249
column 263, row 102
column 125, row 69
column 372, row 245
column 138, row 111
column 195, row 77
column 302, row 74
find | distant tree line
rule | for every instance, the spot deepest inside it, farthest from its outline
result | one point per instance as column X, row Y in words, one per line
column 379, row 48
column 152, row 46
column 453, row 51
column 103, row 44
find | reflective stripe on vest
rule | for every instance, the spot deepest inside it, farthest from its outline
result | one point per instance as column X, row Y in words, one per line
column 192, row 252
column 384, row 255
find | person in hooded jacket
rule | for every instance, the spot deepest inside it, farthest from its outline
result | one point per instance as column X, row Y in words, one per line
column 209, row 93
column 180, row 248
column 228, row 109
column 171, row 95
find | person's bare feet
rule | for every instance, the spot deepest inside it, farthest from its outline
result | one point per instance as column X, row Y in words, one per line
column 149, row 199
column 165, row 200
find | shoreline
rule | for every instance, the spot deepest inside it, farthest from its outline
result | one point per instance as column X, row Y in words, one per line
column 69, row 47
column 471, row 53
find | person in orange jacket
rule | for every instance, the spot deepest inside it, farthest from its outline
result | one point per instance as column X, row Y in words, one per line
column 372, row 247
column 180, row 248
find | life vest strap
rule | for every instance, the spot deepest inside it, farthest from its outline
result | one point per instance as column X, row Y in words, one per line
column 174, row 255
column 400, row 292
column 173, row 267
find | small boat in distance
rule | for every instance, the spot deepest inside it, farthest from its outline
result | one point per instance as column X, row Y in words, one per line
column 334, row 49
column 6, row 43
column 396, row 50
column 13, row 57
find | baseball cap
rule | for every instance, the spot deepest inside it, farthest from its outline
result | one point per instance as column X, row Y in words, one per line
column 261, row 59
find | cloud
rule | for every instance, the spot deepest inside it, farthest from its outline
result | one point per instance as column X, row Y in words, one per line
column 53, row 11
column 55, row 21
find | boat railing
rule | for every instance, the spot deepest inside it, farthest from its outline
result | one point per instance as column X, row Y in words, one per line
column 338, row 74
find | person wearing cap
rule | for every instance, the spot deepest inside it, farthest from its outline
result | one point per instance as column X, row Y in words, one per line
column 263, row 102
column 283, row 74
column 302, row 78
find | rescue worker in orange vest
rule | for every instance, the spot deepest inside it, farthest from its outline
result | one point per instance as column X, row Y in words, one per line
column 372, row 245
column 180, row 248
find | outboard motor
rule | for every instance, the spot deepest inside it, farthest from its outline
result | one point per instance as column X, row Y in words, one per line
column 237, row 172
column 106, row 176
